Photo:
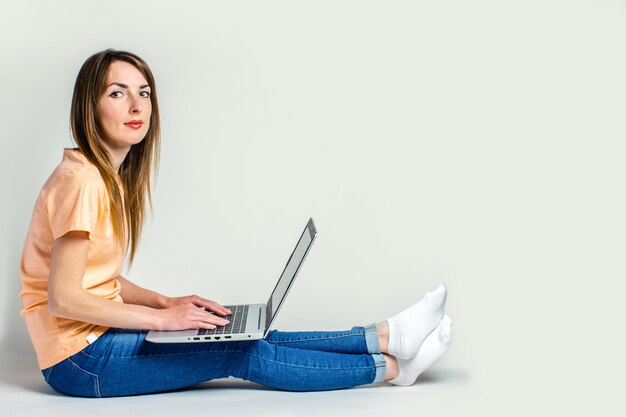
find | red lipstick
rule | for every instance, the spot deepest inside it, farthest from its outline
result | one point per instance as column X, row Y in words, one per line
column 135, row 124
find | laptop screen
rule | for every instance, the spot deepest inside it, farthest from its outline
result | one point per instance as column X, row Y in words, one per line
column 290, row 272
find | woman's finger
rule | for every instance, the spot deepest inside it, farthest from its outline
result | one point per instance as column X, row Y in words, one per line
column 203, row 325
column 212, row 306
column 212, row 318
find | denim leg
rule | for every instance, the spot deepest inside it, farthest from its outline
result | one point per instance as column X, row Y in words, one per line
column 357, row 340
column 121, row 362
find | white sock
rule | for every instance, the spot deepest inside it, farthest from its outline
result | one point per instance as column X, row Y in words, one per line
column 408, row 329
column 431, row 350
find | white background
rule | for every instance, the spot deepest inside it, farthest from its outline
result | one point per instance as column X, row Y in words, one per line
column 478, row 143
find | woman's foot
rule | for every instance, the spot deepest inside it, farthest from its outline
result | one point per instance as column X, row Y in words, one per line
column 408, row 329
column 431, row 350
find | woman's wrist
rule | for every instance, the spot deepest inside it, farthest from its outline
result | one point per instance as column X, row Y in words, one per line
column 157, row 321
column 163, row 301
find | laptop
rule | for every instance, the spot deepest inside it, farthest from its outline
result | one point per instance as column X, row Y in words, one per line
column 248, row 321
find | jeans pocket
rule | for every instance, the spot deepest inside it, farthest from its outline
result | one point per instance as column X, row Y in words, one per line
column 68, row 378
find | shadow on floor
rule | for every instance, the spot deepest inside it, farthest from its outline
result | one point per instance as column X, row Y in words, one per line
column 441, row 376
column 21, row 371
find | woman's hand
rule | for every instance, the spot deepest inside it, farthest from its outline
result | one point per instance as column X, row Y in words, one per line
column 188, row 316
column 200, row 302
column 190, row 312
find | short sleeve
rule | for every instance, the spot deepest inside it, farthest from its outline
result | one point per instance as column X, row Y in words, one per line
column 74, row 201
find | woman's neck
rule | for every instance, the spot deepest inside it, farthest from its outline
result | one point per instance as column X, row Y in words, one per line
column 118, row 154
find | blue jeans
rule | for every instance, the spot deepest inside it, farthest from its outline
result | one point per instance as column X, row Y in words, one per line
column 121, row 362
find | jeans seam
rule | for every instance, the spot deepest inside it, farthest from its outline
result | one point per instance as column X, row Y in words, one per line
column 48, row 373
column 290, row 364
column 96, row 379
column 308, row 339
column 87, row 354
column 238, row 351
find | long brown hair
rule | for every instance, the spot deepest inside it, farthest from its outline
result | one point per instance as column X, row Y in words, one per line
column 141, row 161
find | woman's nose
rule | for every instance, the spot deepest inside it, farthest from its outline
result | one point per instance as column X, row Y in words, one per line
column 135, row 105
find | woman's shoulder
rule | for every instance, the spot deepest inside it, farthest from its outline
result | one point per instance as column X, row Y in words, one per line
column 75, row 170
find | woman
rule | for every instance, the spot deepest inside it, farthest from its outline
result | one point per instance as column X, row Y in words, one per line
column 80, row 312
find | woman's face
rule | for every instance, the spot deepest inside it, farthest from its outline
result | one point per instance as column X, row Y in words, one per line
column 124, row 108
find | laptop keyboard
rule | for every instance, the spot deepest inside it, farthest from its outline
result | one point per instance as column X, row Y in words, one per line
column 237, row 322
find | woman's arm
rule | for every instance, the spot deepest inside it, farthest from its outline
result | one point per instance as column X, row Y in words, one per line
column 134, row 294
column 67, row 298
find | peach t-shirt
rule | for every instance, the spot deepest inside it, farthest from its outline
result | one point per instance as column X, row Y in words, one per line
column 73, row 198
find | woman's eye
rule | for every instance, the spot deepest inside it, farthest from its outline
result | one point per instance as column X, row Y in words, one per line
column 147, row 93
column 115, row 92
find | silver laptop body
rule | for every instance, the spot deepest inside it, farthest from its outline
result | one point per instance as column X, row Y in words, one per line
column 249, row 321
